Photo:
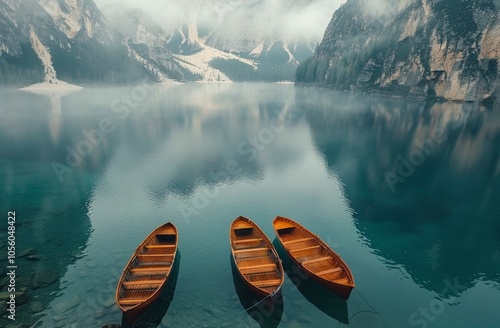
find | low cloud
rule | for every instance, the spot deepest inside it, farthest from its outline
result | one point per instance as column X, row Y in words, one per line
column 385, row 7
column 308, row 19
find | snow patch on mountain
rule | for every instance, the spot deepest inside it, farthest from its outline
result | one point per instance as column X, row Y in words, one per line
column 290, row 56
column 193, row 31
column 199, row 63
column 257, row 51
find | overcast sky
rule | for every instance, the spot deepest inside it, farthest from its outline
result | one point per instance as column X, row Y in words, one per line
column 312, row 20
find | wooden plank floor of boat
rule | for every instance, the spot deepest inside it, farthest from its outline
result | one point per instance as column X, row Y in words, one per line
column 311, row 254
column 143, row 280
column 255, row 263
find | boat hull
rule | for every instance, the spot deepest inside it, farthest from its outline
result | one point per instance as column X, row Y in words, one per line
column 147, row 271
column 340, row 290
column 333, row 267
column 255, row 258
column 134, row 313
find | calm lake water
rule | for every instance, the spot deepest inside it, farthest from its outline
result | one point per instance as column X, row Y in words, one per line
column 407, row 192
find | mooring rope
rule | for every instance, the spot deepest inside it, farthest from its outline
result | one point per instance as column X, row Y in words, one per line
column 262, row 300
column 363, row 311
column 250, row 307
column 277, row 290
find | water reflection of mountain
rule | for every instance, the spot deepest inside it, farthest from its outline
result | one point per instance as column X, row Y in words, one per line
column 52, row 230
column 211, row 124
column 173, row 142
column 194, row 136
column 442, row 221
column 52, row 227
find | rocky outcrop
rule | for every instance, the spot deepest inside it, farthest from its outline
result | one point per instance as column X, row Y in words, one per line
column 255, row 30
column 275, row 34
column 219, row 40
column 147, row 42
column 42, row 39
column 418, row 48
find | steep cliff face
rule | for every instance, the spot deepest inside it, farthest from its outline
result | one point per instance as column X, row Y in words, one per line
column 419, row 48
column 217, row 40
column 253, row 30
column 275, row 34
column 47, row 40
column 147, row 42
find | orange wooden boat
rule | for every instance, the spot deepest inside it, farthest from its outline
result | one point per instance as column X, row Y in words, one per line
column 147, row 270
column 314, row 256
column 256, row 258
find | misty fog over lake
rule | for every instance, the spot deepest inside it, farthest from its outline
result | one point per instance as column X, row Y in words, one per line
column 405, row 191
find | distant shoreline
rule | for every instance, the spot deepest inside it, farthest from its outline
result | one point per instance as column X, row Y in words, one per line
column 45, row 86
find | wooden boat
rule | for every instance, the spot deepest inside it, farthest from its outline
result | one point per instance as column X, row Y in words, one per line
column 256, row 258
column 147, row 271
column 314, row 256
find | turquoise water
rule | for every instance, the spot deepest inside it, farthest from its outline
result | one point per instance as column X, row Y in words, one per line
column 407, row 192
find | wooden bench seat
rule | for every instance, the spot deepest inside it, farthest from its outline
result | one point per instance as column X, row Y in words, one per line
column 316, row 260
column 157, row 269
column 142, row 282
column 131, row 301
column 258, row 269
column 258, row 266
column 321, row 273
column 145, row 258
column 250, row 250
column 341, row 281
column 266, row 283
column 160, row 246
column 305, row 248
column 247, row 240
column 297, row 241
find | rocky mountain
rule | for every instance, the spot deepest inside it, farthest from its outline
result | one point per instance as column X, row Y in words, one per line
column 173, row 49
column 47, row 40
column 254, row 31
column 52, row 40
column 419, row 48
column 239, row 40
column 218, row 40
column 147, row 42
